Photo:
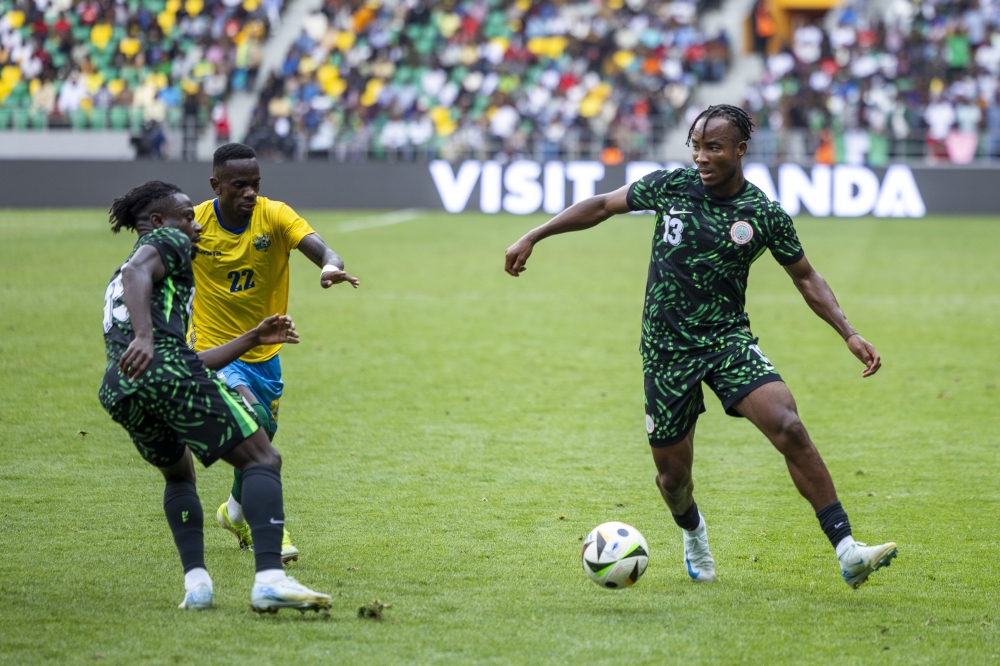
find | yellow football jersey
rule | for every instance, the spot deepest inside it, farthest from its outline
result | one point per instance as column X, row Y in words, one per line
column 241, row 278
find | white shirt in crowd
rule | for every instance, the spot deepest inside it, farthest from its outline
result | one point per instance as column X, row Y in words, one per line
column 940, row 117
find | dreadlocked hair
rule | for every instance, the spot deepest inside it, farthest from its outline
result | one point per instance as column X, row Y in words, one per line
column 734, row 115
column 127, row 209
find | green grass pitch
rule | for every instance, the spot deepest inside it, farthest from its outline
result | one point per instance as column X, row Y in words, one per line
column 450, row 434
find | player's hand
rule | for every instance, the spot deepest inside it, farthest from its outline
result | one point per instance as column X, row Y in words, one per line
column 330, row 278
column 866, row 354
column 136, row 358
column 517, row 256
column 277, row 330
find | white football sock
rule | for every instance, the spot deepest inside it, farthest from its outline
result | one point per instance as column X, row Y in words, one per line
column 269, row 576
column 235, row 511
column 196, row 577
column 844, row 544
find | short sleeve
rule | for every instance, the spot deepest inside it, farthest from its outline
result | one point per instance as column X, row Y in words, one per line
column 174, row 248
column 783, row 241
column 645, row 193
column 292, row 227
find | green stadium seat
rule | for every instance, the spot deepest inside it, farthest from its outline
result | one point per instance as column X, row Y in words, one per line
column 99, row 119
column 39, row 120
column 21, row 118
column 4, row 118
column 118, row 118
column 174, row 116
column 137, row 118
column 78, row 120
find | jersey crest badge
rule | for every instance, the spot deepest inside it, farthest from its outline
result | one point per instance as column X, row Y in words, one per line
column 741, row 232
column 262, row 242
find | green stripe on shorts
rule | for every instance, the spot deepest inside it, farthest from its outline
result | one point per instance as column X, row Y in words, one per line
column 247, row 425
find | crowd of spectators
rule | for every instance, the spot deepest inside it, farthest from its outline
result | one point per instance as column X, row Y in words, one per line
column 126, row 63
column 485, row 77
column 918, row 80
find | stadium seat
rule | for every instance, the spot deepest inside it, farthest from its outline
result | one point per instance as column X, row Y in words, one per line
column 20, row 119
column 99, row 119
column 118, row 118
column 137, row 118
column 78, row 120
column 4, row 118
column 39, row 120
column 174, row 116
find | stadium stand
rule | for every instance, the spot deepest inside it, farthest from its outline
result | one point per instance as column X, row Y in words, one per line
column 911, row 81
column 475, row 78
column 127, row 64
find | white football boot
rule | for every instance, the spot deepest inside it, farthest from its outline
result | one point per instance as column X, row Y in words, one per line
column 858, row 561
column 197, row 598
column 287, row 593
column 697, row 556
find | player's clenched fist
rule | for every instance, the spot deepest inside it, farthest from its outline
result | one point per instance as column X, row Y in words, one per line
column 517, row 256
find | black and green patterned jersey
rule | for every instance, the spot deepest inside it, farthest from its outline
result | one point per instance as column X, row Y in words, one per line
column 703, row 247
column 170, row 307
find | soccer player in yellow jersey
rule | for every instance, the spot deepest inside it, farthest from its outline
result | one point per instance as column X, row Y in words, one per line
column 241, row 271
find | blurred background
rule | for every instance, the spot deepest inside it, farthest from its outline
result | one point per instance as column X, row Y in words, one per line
column 869, row 82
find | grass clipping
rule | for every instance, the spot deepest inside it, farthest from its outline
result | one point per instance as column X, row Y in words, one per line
column 372, row 610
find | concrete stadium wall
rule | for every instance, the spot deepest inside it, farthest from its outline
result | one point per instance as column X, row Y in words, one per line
column 519, row 187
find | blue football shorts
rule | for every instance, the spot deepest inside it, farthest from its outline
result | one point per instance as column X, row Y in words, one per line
column 264, row 381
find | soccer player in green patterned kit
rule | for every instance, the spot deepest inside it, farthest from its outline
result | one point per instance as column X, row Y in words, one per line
column 172, row 405
column 711, row 225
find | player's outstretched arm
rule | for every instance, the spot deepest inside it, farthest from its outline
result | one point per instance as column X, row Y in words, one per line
column 275, row 330
column 583, row 215
column 317, row 252
column 819, row 296
column 138, row 275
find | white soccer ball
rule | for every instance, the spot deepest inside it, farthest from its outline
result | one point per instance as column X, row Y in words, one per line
column 615, row 555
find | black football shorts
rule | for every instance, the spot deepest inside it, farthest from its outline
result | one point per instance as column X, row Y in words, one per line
column 198, row 412
column 674, row 397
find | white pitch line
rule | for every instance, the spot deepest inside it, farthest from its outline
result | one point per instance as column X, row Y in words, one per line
column 384, row 220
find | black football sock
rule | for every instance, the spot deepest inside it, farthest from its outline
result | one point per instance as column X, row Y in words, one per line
column 690, row 519
column 263, row 418
column 833, row 520
column 264, row 509
column 185, row 517
column 237, row 490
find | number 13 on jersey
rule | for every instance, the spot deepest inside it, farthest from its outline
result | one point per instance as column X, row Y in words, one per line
column 672, row 229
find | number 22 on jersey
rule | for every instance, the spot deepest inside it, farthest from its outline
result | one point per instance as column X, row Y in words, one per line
column 672, row 229
column 242, row 280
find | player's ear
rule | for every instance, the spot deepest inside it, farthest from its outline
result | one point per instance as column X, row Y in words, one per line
column 156, row 220
column 741, row 148
column 214, row 182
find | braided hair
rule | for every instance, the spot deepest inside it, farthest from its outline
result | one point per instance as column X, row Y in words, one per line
column 128, row 209
column 734, row 115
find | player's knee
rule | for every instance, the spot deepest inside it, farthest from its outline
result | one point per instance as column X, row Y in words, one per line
column 257, row 450
column 266, row 455
column 790, row 431
column 672, row 484
column 275, row 457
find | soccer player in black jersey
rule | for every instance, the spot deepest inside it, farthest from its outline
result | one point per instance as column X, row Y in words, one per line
column 172, row 405
column 711, row 224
